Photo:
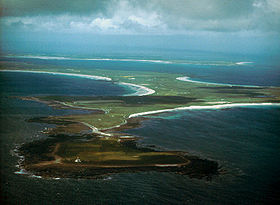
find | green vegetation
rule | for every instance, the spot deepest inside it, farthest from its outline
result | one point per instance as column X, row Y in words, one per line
column 118, row 109
column 56, row 156
column 170, row 93
column 114, row 152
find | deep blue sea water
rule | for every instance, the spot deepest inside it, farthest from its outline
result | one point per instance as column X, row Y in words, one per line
column 25, row 84
column 245, row 142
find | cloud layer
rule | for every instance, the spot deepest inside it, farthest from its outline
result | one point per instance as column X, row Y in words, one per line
column 146, row 16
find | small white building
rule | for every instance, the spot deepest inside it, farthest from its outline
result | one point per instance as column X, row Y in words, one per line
column 78, row 160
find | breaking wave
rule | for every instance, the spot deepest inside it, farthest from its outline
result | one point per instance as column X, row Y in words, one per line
column 158, row 61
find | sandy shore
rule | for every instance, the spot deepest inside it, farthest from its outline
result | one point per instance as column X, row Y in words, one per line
column 195, row 107
column 142, row 91
column 94, row 77
column 134, row 60
column 242, row 63
column 188, row 79
column 139, row 89
column 92, row 59
column 128, row 60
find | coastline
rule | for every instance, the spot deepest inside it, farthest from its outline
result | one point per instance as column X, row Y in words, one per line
column 46, row 162
column 107, row 134
column 139, row 89
column 92, row 59
column 188, row 79
column 196, row 107
column 144, row 91
column 158, row 61
column 94, row 77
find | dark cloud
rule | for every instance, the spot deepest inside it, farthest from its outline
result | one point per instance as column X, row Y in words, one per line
column 202, row 9
column 143, row 15
column 47, row 7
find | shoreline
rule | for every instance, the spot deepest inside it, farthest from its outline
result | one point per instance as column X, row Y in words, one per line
column 202, row 107
column 143, row 91
column 93, row 77
column 139, row 89
column 188, row 79
column 48, row 164
column 107, row 133
column 158, row 61
column 92, row 59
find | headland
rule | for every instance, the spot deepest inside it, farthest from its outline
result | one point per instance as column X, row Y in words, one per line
column 95, row 144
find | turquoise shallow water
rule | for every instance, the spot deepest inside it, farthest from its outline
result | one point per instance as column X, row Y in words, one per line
column 245, row 142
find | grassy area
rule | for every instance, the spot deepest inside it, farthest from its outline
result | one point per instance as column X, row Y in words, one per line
column 111, row 151
column 56, row 156
column 170, row 93
column 118, row 109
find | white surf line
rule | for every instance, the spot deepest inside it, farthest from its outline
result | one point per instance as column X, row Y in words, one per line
column 127, row 60
column 197, row 107
column 187, row 79
column 243, row 63
column 140, row 89
column 174, row 61
column 94, row 77
column 92, row 59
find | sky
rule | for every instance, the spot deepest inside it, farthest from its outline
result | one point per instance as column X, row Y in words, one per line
column 203, row 24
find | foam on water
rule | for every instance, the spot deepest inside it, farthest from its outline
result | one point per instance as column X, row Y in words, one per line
column 91, row 59
column 207, row 107
column 248, row 184
column 188, row 79
column 94, row 77
column 140, row 90
column 188, row 62
column 243, row 63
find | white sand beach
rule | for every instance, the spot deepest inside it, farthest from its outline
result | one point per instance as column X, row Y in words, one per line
column 195, row 107
column 140, row 89
column 188, row 79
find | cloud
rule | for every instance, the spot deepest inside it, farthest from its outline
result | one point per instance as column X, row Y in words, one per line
column 146, row 16
column 103, row 24
column 51, row 7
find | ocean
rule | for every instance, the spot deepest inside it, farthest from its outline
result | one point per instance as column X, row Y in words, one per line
column 244, row 141
column 201, row 66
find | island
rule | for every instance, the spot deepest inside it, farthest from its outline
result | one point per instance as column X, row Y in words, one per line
column 95, row 144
